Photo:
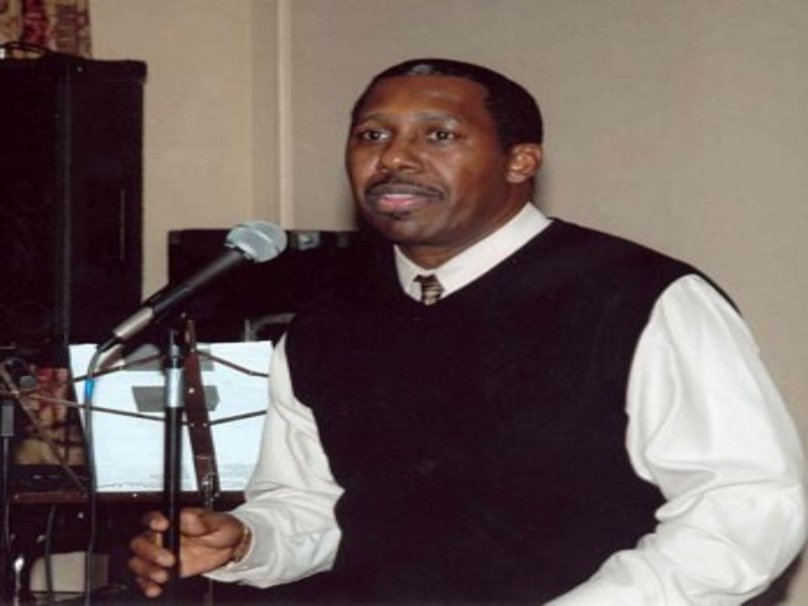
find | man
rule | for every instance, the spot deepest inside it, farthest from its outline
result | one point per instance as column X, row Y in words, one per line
column 566, row 417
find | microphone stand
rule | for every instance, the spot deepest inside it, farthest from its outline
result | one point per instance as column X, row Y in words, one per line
column 173, row 364
column 184, row 405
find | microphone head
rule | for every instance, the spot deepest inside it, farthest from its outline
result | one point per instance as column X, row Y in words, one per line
column 259, row 240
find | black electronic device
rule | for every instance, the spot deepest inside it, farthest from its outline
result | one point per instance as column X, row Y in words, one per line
column 70, row 200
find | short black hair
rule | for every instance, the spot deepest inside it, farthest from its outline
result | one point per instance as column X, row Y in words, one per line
column 515, row 112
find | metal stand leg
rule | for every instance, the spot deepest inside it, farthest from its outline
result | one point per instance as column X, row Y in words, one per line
column 13, row 375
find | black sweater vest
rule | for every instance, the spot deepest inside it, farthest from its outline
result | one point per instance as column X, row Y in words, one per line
column 481, row 441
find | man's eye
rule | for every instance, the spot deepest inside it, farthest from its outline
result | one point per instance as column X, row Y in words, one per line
column 370, row 135
column 442, row 135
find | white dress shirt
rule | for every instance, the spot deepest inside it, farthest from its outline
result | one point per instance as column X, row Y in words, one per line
column 705, row 424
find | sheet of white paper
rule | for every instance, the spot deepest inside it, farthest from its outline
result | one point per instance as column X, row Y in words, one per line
column 129, row 451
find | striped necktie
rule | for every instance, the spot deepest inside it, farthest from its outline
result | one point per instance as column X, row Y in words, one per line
column 431, row 289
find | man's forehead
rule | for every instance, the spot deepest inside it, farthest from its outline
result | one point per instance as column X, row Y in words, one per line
column 427, row 95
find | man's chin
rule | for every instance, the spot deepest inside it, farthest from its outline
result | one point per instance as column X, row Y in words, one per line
column 399, row 215
column 399, row 227
column 383, row 221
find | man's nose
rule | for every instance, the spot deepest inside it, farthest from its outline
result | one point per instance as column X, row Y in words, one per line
column 399, row 155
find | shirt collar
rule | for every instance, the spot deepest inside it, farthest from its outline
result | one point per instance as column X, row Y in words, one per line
column 473, row 262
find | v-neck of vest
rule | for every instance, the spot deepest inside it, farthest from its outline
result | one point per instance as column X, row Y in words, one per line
column 543, row 240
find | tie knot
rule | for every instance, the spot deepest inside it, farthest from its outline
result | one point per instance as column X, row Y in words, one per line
column 431, row 288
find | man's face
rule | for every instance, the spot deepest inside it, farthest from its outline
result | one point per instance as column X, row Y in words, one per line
column 426, row 166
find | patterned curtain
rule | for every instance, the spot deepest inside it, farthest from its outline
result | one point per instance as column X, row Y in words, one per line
column 59, row 25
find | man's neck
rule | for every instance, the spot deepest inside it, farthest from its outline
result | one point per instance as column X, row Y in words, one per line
column 475, row 260
column 432, row 256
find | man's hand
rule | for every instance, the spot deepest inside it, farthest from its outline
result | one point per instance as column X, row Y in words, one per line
column 207, row 540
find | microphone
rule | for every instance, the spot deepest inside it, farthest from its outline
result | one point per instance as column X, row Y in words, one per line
column 248, row 242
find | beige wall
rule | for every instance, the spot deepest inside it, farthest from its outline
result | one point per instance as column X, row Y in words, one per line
column 680, row 124
column 201, row 133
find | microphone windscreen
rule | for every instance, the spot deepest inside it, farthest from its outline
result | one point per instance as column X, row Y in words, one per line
column 260, row 241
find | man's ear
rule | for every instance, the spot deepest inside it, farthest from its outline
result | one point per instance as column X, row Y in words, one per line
column 524, row 161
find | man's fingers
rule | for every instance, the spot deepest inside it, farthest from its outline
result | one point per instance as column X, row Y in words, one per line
column 149, row 589
column 148, row 547
column 155, row 520
column 146, row 570
column 208, row 539
column 192, row 522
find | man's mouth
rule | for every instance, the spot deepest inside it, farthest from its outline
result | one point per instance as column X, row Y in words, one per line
column 400, row 197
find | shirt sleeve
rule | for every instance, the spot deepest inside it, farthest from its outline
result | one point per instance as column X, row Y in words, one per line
column 708, row 427
column 290, row 498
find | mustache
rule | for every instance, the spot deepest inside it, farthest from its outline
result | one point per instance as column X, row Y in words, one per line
column 399, row 185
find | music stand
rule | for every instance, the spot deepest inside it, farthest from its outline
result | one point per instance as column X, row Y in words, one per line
column 199, row 364
column 225, row 382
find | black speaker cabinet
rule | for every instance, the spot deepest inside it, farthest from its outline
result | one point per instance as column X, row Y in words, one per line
column 70, row 199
